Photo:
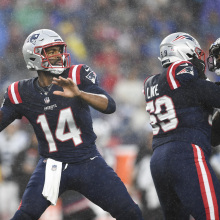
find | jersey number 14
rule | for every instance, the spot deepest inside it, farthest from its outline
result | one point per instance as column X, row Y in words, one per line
column 65, row 118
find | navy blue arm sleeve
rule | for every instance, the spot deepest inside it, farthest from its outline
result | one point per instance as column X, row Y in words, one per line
column 8, row 112
column 8, row 115
column 208, row 92
column 98, row 90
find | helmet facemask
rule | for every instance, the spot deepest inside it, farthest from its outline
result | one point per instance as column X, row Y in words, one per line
column 213, row 60
column 61, row 59
column 200, row 54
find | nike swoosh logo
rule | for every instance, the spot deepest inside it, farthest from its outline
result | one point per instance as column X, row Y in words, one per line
column 92, row 158
column 87, row 69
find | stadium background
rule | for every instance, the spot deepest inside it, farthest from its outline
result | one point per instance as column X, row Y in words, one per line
column 119, row 40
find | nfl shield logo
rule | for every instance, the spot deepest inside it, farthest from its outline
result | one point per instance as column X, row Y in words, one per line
column 54, row 167
column 47, row 100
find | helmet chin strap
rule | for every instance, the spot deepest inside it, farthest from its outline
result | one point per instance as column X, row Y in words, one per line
column 54, row 70
column 57, row 71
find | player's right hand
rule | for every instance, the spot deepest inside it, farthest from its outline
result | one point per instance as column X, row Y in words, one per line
column 70, row 89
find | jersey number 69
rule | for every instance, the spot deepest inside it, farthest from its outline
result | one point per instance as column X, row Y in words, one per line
column 162, row 114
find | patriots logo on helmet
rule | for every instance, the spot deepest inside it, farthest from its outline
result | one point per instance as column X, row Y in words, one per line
column 184, row 37
column 91, row 76
column 34, row 38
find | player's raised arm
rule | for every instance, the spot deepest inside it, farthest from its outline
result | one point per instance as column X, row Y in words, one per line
column 70, row 90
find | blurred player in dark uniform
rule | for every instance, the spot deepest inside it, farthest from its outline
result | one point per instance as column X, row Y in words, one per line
column 213, row 62
column 57, row 105
column 180, row 103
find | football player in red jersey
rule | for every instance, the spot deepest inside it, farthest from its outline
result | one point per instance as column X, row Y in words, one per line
column 180, row 103
column 57, row 104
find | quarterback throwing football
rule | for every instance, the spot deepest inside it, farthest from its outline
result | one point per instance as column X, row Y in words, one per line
column 57, row 105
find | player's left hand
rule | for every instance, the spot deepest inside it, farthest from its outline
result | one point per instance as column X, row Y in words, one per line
column 200, row 65
column 70, row 89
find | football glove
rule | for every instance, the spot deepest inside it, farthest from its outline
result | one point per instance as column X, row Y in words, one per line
column 200, row 66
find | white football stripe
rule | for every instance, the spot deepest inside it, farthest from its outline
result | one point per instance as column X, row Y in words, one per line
column 13, row 93
column 74, row 73
column 206, row 184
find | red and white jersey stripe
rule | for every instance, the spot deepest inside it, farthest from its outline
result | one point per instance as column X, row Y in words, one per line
column 171, row 74
column 13, row 93
column 206, row 184
column 74, row 73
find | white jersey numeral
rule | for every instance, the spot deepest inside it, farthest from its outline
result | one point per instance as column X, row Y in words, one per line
column 65, row 120
column 162, row 114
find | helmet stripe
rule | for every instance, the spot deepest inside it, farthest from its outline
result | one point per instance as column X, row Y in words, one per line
column 180, row 37
column 13, row 93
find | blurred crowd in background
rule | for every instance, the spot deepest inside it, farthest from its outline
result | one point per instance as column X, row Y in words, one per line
column 119, row 40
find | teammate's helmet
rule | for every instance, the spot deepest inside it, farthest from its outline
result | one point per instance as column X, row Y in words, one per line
column 179, row 46
column 212, row 60
column 35, row 55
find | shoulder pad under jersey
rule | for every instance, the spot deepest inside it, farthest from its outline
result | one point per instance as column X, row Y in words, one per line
column 82, row 74
column 179, row 73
